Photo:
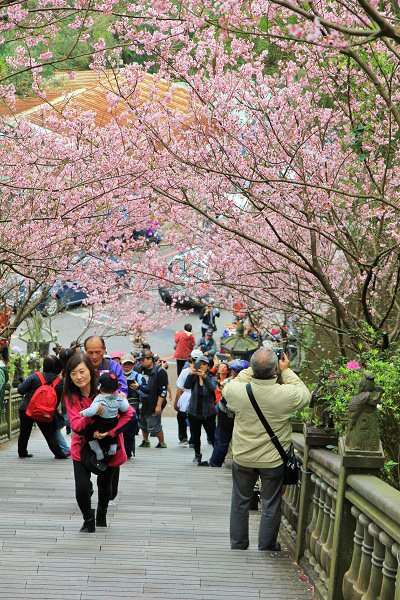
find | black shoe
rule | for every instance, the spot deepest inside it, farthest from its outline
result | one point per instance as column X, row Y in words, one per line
column 275, row 547
column 26, row 456
column 203, row 463
column 197, row 458
column 101, row 517
column 61, row 457
column 89, row 525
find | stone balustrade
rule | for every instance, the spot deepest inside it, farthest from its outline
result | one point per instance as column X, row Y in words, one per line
column 355, row 556
column 9, row 418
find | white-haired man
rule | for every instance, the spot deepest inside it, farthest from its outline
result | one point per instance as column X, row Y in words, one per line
column 254, row 455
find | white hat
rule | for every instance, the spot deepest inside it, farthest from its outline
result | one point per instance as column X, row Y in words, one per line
column 197, row 353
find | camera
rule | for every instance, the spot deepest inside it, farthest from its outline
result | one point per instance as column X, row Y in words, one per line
column 197, row 365
column 279, row 353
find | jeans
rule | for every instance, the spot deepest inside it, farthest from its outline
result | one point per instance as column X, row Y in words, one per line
column 221, row 446
column 61, row 441
column 243, row 482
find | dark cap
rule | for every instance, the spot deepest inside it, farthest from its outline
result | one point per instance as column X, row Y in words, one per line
column 146, row 354
column 109, row 381
column 209, row 331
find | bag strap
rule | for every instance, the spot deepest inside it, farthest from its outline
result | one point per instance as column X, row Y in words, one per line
column 267, row 427
column 55, row 383
column 41, row 378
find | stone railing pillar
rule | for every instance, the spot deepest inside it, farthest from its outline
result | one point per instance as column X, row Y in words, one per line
column 352, row 462
column 314, row 438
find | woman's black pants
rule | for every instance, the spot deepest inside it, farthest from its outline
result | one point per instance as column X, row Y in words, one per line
column 195, row 429
column 179, row 365
column 83, row 488
column 25, row 429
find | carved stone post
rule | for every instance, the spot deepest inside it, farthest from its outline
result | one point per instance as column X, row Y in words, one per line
column 315, row 437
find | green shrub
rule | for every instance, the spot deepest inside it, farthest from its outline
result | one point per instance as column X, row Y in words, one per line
column 341, row 384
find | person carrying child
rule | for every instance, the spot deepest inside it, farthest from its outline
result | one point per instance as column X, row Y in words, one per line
column 111, row 402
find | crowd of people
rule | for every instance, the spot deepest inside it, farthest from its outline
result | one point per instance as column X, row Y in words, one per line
column 107, row 399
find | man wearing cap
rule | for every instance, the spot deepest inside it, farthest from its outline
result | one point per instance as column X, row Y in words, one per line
column 154, row 401
column 254, row 454
column 95, row 349
column 207, row 317
column 207, row 344
column 201, row 408
column 136, row 387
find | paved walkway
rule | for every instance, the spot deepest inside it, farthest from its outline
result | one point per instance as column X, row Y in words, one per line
column 167, row 537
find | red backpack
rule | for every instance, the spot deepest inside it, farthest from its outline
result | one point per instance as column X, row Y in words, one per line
column 43, row 403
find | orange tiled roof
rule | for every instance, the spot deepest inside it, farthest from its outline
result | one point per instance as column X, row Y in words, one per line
column 88, row 91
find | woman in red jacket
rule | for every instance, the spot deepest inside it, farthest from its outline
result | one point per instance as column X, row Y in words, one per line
column 80, row 387
column 184, row 344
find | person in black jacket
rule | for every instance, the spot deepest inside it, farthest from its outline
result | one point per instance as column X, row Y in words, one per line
column 207, row 317
column 201, row 409
column 51, row 369
column 154, row 401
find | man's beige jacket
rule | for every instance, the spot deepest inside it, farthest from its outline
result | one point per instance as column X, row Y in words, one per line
column 250, row 442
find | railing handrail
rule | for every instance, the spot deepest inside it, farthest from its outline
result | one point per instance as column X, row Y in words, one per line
column 380, row 495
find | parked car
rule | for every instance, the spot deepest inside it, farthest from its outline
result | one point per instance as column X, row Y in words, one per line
column 170, row 292
column 62, row 295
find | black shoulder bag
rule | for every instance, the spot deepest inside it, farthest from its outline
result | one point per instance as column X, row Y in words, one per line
column 290, row 464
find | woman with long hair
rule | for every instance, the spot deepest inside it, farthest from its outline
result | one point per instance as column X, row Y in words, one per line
column 80, row 388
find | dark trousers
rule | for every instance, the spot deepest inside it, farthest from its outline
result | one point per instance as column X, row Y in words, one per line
column 195, row 429
column 25, row 429
column 179, row 365
column 181, row 417
column 83, row 488
column 222, row 440
column 115, row 482
column 129, row 436
column 243, row 482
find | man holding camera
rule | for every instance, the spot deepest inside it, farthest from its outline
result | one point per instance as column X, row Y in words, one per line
column 207, row 317
column 254, row 455
column 201, row 409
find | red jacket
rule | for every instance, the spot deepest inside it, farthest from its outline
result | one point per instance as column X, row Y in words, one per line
column 184, row 344
column 74, row 405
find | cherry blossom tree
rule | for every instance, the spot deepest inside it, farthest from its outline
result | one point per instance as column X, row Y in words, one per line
column 283, row 173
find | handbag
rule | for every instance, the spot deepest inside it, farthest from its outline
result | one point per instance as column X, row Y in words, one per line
column 88, row 458
column 290, row 464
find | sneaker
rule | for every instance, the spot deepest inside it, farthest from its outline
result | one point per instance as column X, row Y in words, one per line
column 203, row 463
column 164, row 445
column 112, row 502
column 191, row 445
column 145, row 444
column 183, row 442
